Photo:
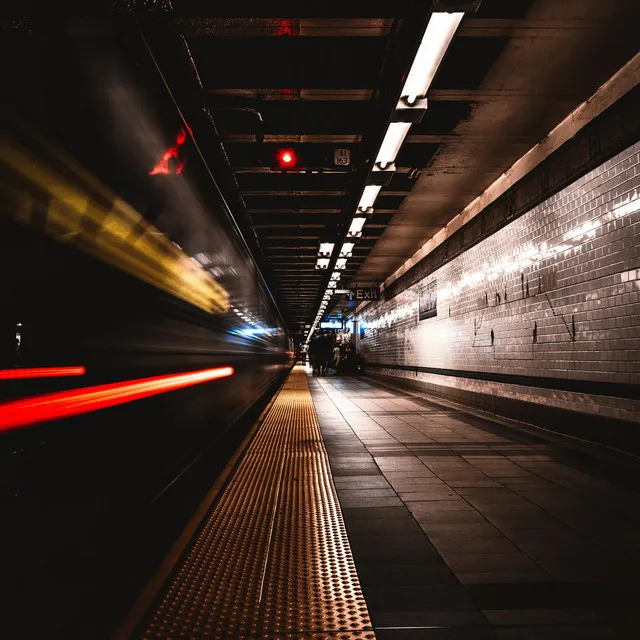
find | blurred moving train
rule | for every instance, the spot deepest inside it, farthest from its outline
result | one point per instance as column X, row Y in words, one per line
column 110, row 278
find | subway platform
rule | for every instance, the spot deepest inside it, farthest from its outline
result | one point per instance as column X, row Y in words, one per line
column 355, row 509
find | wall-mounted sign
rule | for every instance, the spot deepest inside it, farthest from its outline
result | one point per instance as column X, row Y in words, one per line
column 366, row 293
column 342, row 157
column 334, row 324
column 429, row 301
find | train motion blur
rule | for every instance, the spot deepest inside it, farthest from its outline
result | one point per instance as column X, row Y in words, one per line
column 136, row 331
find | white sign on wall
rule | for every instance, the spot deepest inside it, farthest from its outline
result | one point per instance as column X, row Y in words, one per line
column 342, row 157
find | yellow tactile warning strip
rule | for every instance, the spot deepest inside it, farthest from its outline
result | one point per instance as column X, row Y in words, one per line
column 271, row 558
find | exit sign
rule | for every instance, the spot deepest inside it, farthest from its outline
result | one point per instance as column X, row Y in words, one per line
column 364, row 293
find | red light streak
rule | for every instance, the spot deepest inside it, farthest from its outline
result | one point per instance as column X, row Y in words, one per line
column 172, row 152
column 41, row 372
column 64, row 404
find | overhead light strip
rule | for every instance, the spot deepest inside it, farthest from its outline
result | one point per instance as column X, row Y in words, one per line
column 347, row 249
column 325, row 249
column 355, row 230
column 369, row 196
column 436, row 40
column 393, row 139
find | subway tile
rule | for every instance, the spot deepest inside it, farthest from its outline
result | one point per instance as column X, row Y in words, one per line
column 597, row 259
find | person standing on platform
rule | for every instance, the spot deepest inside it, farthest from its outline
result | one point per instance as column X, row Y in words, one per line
column 313, row 354
column 336, row 358
column 325, row 353
column 349, row 364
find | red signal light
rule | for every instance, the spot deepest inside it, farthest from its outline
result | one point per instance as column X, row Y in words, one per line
column 287, row 158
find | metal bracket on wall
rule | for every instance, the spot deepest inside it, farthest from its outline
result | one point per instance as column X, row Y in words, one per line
column 476, row 328
column 571, row 331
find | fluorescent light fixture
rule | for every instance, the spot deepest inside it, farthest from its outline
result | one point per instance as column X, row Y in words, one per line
column 333, row 284
column 390, row 146
column 341, row 263
column 322, row 263
column 355, row 230
column 328, row 292
column 437, row 37
column 335, row 275
column 347, row 249
column 370, row 194
column 326, row 249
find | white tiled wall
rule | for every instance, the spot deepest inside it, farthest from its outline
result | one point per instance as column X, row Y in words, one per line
column 579, row 254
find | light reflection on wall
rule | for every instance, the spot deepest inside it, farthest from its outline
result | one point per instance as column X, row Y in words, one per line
column 391, row 317
column 531, row 255
column 528, row 255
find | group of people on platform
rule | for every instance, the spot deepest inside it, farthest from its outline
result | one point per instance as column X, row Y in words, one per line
column 326, row 354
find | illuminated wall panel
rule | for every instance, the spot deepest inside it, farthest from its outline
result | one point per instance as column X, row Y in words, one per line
column 554, row 294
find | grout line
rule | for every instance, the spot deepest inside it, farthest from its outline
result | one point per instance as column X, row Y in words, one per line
column 511, row 422
column 271, row 526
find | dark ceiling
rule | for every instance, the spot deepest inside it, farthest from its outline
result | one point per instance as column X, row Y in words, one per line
column 327, row 81
column 314, row 77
